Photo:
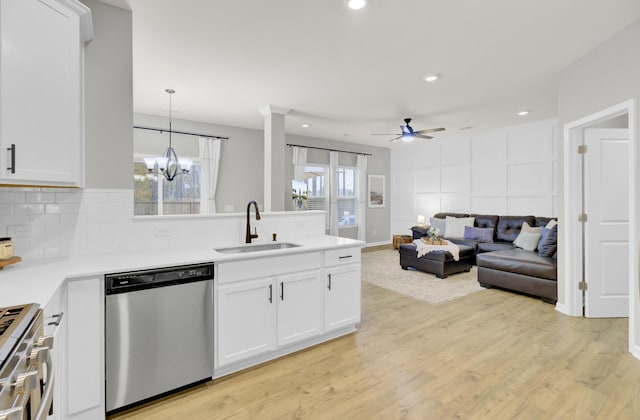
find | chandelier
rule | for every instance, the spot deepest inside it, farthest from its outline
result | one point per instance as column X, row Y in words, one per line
column 168, row 165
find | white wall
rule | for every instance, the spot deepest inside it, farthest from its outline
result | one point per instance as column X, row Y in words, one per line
column 508, row 171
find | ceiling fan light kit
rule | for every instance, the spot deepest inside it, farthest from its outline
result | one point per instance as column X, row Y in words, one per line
column 408, row 134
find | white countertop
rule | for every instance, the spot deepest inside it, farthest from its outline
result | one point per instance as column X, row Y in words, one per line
column 36, row 281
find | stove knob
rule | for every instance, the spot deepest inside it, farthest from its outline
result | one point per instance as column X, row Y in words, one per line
column 38, row 355
column 45, row 341
column 14, row 413
column 25, row 382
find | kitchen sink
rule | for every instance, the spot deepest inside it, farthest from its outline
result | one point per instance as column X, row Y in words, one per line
column 241, row 249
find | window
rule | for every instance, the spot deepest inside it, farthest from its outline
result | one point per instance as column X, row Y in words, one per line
column 154, row 195
column 314, row 177
column 346, row 179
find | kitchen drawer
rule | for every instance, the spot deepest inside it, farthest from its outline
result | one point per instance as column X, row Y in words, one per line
column 341, row 256
column 270, row 266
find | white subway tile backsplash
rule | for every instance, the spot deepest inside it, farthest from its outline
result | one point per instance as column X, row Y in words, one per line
column 40, row 197
column 87, row 222
column 12, row 197
column 66, row 208
column 6, row 209
column 28, row 209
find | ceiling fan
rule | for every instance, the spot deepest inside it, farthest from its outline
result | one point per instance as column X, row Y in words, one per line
column 408, row 134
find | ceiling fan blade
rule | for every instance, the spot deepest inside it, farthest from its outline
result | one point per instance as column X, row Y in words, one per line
column 430, row 130
column 396, row 139
column 421, row 136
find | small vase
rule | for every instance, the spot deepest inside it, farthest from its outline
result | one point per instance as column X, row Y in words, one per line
column 298, row 205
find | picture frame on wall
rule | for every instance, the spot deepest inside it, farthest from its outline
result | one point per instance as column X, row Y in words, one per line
column 376, row 194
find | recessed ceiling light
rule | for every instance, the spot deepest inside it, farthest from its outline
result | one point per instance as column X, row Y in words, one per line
column 523, row 113
column 431, row 77
column 357, row 4
column 305, row 126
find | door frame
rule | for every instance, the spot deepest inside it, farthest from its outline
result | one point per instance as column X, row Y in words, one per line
column 572, row 232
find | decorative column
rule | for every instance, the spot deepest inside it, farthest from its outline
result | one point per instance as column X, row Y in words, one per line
column 274, row 164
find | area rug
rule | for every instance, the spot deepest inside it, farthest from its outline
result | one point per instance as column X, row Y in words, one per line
column 382, row 268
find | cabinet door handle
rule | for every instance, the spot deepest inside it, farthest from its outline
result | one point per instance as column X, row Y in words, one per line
column 329, row 285
column 281, row 290
column 271, row 293
column 342, row 257
column 57, row 319
column 12, row 149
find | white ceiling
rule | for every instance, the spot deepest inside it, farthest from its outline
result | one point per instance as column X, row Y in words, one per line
column 352, row 73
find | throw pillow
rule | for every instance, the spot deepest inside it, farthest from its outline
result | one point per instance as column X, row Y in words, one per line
column 551, row 224
column 455, row 226
column 527, row 240
column 527, row 228
column 439, row 224
column 478, row 234
column 548, row 243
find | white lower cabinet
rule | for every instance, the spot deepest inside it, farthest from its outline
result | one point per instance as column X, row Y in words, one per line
column 299, row 306
column 84, row 373
column 342, row 297
column 246, row 320
column 257, row 316
column 268, row 307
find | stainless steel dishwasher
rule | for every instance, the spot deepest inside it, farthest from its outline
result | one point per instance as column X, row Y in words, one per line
column 158, row 332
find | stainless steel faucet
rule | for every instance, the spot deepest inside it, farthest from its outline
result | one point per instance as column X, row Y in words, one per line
column 250, row 235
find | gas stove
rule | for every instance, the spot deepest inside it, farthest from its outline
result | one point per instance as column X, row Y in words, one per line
column 26, row 372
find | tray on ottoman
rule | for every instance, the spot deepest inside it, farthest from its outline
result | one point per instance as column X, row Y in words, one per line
column 440, row 263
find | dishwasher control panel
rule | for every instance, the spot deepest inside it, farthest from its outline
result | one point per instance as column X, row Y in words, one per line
column 157, row 277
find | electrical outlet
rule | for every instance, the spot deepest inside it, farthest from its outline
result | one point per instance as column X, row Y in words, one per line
column 375, row 231
column 228, row 208
column 19, row 231
column 163, row 232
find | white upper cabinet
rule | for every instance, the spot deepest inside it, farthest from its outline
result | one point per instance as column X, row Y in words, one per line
column 41, row 91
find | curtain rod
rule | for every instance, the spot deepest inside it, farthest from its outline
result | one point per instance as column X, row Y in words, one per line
column 162, row 130
column 331, row 150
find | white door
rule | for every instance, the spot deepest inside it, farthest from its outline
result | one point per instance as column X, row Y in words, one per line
column 606, row 200
column 299, row 306
column 342, row 297
column 246, row 320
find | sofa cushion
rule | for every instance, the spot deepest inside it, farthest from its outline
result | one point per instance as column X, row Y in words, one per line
column 548, row 243
column 509, row 227
column 544, row 221
column 495, row 246
column 519, row 261
column 478, row 234
column 485, row 220
column 444, row 215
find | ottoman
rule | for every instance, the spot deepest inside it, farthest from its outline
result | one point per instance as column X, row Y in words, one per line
column 440, row 263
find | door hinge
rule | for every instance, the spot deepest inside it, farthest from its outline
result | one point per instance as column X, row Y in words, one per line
column 582, row 217
column 583, row 286
column 582, row 149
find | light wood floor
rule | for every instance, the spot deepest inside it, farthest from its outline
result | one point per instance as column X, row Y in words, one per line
column 489, row 355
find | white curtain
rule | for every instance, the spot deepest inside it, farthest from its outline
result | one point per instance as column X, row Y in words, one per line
column 299, row 162
column 361, row 186
column 333, row 193
column 209, row 153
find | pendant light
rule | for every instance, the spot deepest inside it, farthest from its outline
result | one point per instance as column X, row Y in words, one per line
column 168, row 165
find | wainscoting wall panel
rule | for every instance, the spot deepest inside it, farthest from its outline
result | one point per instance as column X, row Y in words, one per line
column 511, row 170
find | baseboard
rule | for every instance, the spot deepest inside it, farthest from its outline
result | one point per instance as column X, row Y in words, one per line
column 562, row 308
column 370, row 244
column 635, row 351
